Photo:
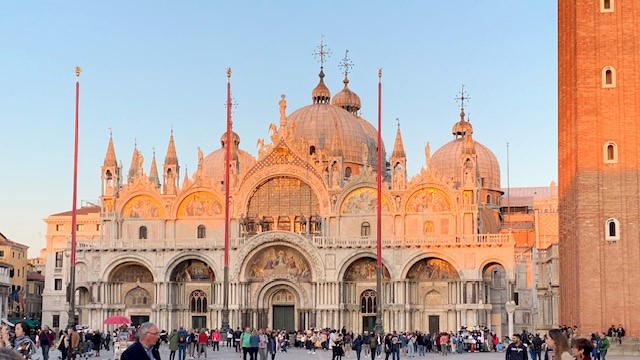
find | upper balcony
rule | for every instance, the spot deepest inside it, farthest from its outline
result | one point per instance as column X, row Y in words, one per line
column 329, row 242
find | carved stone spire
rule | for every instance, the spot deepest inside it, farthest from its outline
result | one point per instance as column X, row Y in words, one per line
column 153, row 172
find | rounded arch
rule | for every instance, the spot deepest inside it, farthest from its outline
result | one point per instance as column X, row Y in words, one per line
column 142, row 205
column 432, row 269
column 276, row 261
column 491, row 262
column 359, row 254
column 198, row 202
column 266, row 239
column 138, row 297
column 131, row 273
column 127, row 260
column 83, row 295
column 431, row 255
column 284, row 195
column 363, row 200
column 433, row 297
column 271, row 288
column 250, row 184
column 180, row 258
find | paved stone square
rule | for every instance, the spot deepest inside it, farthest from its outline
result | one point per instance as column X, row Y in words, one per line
column 296, row 354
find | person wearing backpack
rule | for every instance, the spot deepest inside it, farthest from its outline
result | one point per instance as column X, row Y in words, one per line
column 373, row 345
column 173, row 344
column 183, row 340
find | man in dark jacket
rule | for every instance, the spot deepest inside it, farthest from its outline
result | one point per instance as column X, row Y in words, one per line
column 516, row 350
column 143, row 348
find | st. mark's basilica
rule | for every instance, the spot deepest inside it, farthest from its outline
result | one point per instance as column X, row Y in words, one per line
column 303, row 225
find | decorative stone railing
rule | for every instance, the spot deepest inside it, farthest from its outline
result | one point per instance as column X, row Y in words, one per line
column 481, row 240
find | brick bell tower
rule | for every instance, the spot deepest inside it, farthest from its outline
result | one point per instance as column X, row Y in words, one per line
column 599, row 163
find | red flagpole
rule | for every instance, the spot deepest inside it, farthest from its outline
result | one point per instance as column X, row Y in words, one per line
column 227, row 188
column 379, row 329
column 72, row 274
column 379, row 207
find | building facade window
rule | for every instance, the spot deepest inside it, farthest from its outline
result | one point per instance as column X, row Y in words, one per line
column 55, row 322
column 606, row 5
column 57, row 284
column 610, row 150
column 79, row 227
column 2, row 253
column 198, row 302
column 368, row 302
column 612, row 229
column 347, row 172
column 142, row 232
column 202, row 232
column 608, row 77
column 59, row 255
column 365, row 229
column 59, row 227
column 488, row 198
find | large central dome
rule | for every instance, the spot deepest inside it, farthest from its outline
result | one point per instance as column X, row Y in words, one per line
column 335, row 130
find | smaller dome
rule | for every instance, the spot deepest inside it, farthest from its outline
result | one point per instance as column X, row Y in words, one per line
column 462, row 127
column 321, row 94
column 235, row 139
column 347, row 99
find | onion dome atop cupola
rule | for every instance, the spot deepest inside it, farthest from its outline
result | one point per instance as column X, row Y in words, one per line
column 346, row 98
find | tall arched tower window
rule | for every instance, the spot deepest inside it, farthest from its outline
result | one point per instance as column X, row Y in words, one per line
column 202, row 232
column 347, row 172
column 142, row 232
column 606, row 5
column 608, row 77
column 368, row 302
column 612, row 230
column 610, row 151
column 488, row 198
column 365, row 229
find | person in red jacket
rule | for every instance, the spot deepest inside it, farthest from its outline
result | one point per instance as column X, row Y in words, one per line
column 202, row 343
column 215, row 339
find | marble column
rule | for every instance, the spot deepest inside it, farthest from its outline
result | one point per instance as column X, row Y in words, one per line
column 510, row 306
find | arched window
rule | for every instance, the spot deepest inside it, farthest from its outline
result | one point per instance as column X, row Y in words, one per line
column 368, row 302
column 202, row 232
column 365, row 229
column 347, row 172
column 610, row 150
column 612, row 229
column 608, row 77
column 142, row 232
column 312, row 150
column 606, row 5
column 488, row 198
column 198, row 302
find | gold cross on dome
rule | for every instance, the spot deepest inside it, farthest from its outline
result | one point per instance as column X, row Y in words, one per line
column 323, row 52
column 346, row 64
column 462, row 98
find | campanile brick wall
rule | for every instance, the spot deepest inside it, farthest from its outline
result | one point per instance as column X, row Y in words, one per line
column 600, row 280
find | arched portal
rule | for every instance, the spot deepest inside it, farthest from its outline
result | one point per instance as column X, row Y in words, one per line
column 494, row 278
column 359, row 294
column 190, row 285
column 432, row 282
column 133, row 284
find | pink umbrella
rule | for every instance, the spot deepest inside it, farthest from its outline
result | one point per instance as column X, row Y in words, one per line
column 117, row 320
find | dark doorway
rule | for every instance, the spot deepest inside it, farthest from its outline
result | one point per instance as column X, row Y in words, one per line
column 368, row 323
column 199, row 322
column 284, row 317
column 434, row 324
column 137, row 320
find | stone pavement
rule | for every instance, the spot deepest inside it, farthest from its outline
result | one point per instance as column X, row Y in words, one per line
column 296, row 354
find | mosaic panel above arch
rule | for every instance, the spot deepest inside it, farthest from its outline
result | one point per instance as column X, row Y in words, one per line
column 364, row 269
column 192, row 270
column 142, row 207
column 200, row 203
column 138, row 297
column 428, row 199
column 131, row 273
column 278, row 261
column 432, row 269
column 364, row 201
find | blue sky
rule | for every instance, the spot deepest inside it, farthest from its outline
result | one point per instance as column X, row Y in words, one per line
column 149, row 66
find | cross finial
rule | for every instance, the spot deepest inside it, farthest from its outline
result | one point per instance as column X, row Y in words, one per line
column 323, row 52
column 171, row 129
column 398, row 121
column 346, row 64
column 462, row 97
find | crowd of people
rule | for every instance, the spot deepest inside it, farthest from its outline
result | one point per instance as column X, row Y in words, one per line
column 264, row 344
